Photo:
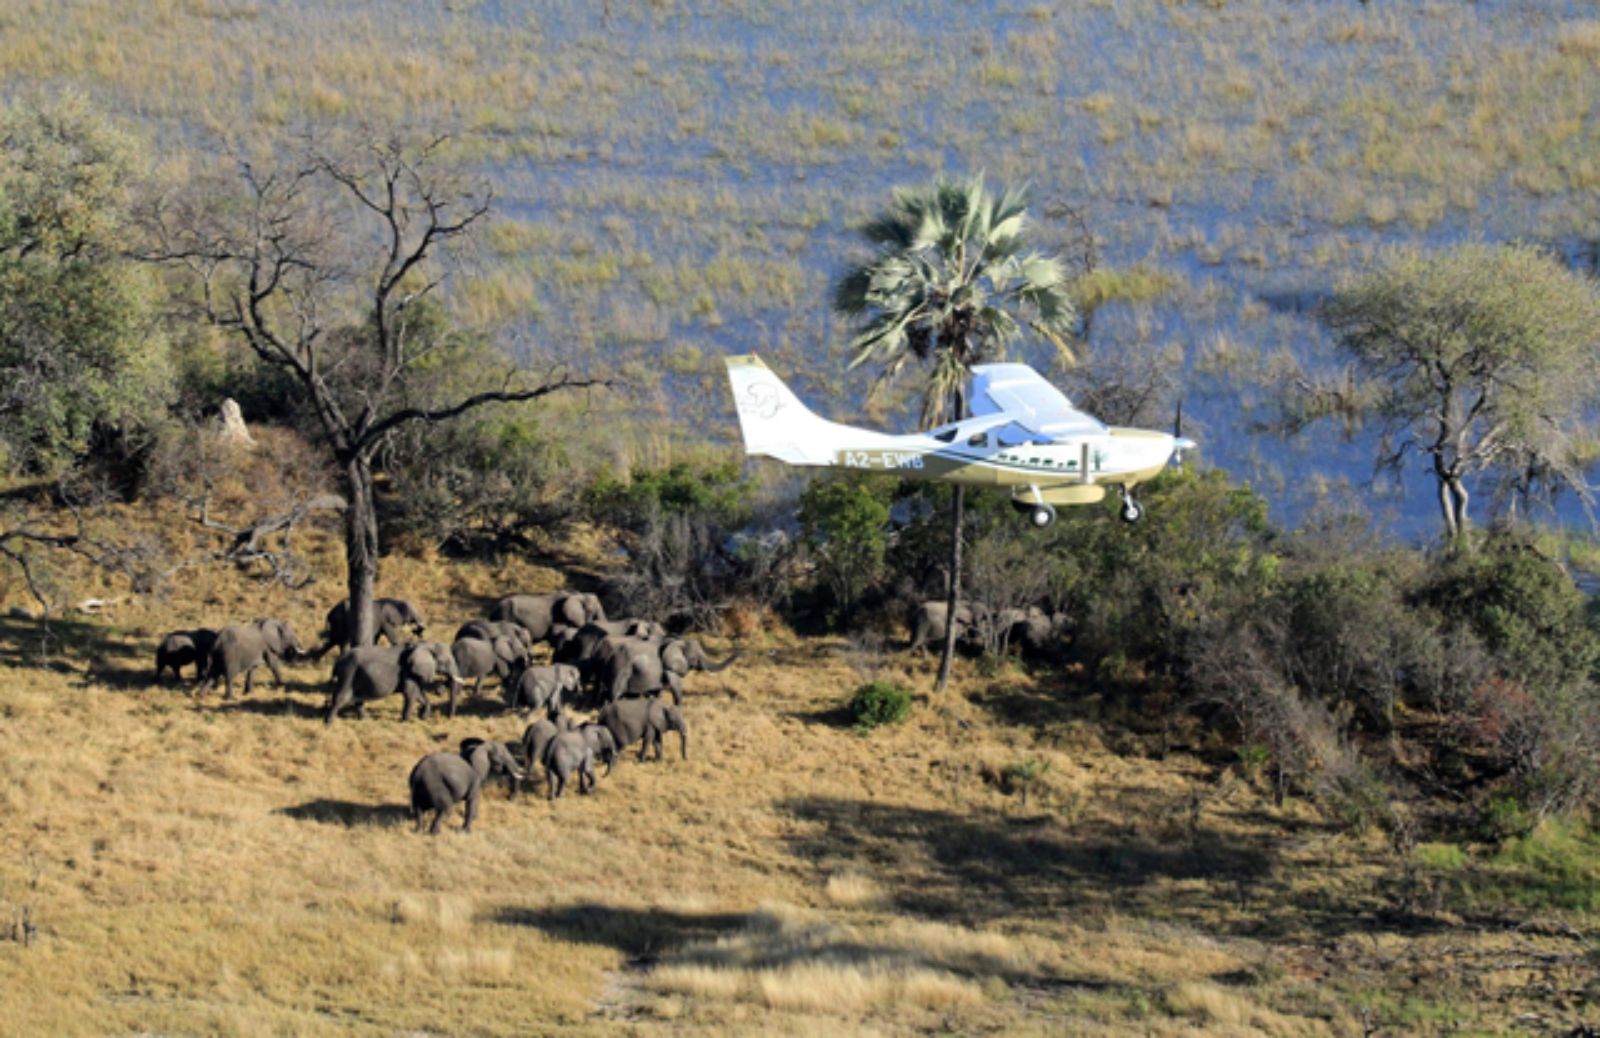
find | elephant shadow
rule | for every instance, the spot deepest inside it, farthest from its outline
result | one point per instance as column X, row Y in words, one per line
column 279, row 707
column 347, row 813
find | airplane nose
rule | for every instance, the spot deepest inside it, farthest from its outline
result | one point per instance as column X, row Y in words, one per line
column 1179, row 445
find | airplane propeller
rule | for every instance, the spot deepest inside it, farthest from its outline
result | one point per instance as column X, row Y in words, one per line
column 1180, row 443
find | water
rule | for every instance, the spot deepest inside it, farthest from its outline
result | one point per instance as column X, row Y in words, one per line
column 716, row 153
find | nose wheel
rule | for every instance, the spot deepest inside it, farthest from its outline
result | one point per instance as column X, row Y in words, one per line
column 1132, row 511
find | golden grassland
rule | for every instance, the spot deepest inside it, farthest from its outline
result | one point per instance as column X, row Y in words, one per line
column 175, row 866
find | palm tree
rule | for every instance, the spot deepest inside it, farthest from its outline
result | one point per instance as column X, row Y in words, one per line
column 950, row 285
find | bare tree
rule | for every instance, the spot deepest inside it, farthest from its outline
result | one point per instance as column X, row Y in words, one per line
column 321, row 266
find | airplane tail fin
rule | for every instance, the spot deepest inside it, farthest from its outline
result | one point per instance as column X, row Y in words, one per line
column 772, row 419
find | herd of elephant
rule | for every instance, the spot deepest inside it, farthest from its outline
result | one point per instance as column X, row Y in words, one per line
column 1032, row 631
column 630, row 667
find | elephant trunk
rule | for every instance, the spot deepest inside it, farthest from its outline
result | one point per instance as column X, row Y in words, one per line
column 716, row 668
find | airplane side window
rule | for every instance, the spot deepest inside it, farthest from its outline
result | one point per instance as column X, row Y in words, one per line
column 945, row 437
column 979, row 440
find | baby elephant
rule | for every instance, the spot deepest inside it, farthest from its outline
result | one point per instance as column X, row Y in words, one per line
column 541, row 687
column 538, row 736
column 181, row 648
column 442, row 780
column 568, row 752
column 632, row 720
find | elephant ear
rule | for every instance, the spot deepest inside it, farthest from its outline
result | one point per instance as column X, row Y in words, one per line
column 508, row 650
column 274, row 633
column 421, row 662
column 572, row 611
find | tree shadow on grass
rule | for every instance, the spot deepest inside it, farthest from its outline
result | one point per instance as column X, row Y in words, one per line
column 977, row 869
column 636, row 932
column 347, row 813
column 55, row 644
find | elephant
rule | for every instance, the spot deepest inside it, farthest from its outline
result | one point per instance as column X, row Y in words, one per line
column 533, row 688
column 538, row 612
column 633, row 719
column 626, row 666
column 242, row 648
column 370, row 672
column 537, row 736
column 581, row 647
column 391, row 618
column 602, row 742
column 928, row 623
column 476, row 659
column 489, row 630
column 441, row 780
column 568, row 752
column 181, row 648
column 1035, row 632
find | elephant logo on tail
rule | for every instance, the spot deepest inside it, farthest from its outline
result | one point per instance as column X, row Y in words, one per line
column 761, row 400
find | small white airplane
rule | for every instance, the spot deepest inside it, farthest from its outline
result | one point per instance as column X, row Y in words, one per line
column 1024, row 435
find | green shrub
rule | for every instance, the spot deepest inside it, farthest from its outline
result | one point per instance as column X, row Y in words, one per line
column 879, row 702
column 1019, row 776
column 845, row 522
column 1503, row 817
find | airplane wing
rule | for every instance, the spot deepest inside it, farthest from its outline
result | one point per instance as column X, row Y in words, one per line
column 1021, row 393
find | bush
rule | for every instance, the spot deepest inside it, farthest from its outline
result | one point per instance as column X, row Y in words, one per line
column 481, row 484
column 678, row 526
column 845, row 521
column 877, row 703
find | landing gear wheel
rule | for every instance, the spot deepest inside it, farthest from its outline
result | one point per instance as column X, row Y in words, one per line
column 1132, row 511
column 1041, row 516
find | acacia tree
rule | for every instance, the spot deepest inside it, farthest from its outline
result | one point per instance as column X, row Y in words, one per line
column 1481, row 358
column 320, row 267
column 949, row 285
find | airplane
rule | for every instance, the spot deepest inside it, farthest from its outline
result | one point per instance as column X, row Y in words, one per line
column 1024, row 434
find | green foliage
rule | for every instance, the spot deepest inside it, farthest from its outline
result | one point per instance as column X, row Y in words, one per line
column 1253, row 756
column 1204, row 555
column 1350, row 637
column 1557, row 865
column 481, row 483
column 716, row 492
column 677, row 525
column 1523, row 607
column 845, row 524
column 878, row 703
column 79, row 344
column 1020, row 775
column 1441, row 857
column 1502, row 817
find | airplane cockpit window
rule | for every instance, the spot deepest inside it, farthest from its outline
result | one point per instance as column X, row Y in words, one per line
column 1013, row 435
column 978, row 440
